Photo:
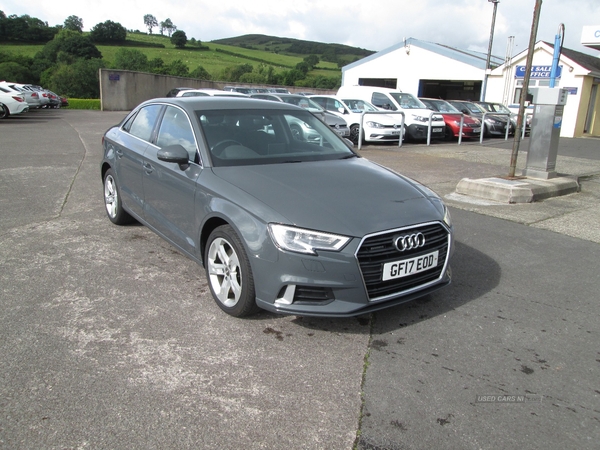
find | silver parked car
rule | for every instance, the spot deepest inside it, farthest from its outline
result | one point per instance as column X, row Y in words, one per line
column 279, row 222
column 337, row 124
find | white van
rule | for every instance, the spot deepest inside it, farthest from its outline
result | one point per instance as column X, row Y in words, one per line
column 416, row 114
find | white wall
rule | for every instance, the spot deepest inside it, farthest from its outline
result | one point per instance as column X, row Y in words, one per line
column 411, row 67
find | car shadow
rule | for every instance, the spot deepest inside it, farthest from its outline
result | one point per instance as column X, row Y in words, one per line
column 474, row 274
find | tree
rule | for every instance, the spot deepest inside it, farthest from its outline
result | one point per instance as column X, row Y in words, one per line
column 179, row 39
column 15, row 71
column 150, row 22
column 78, row 80
column 73, row 23
column 177, row 69
column 156, row 65
column 303, row 67
column 167, row 26
column 130, row 59
column 291, row 76
column 312, row 60
column 200, row 73
column 233, row 73
column 25, row 29
column 72, row 43
column 109, row 32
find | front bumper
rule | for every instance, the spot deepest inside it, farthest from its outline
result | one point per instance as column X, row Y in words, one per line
column 349, row 283
column 419, row 132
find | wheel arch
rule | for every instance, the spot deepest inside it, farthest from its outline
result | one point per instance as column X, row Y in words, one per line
column 105, row 166
column 253, row 232
column 209, row 226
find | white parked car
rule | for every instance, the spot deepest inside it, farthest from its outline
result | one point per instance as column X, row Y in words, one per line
column 11, row 103
column 32, row 98
column 379, row 127
column 416, row 114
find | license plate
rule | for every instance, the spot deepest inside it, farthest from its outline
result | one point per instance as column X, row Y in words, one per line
column 476, row 130
column 396, row 133
column 406, row 267
column 437, row 130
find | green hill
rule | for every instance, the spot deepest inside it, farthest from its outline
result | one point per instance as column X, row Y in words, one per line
column 215, row 56
column 333, row 53
column 252, row 59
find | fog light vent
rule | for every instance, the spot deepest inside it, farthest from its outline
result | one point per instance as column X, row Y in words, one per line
column 313, row 294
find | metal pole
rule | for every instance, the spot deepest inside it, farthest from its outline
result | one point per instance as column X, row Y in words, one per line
column 489, row 53
column 524, row 92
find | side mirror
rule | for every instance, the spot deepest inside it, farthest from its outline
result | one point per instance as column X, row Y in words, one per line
column 173, row 154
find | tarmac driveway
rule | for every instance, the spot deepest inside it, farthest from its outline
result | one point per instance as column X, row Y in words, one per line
column 109, row 337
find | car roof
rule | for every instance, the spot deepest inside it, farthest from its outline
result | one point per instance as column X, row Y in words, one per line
column 220, row 102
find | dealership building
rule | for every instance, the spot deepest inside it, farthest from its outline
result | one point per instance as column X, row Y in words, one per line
column 428, row 69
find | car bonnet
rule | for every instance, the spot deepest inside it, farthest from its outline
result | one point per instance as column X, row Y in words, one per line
column 351, row 197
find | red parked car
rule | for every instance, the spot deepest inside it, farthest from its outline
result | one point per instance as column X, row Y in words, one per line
column 471, row 125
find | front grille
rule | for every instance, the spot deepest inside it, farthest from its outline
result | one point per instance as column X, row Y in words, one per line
column 379, row 249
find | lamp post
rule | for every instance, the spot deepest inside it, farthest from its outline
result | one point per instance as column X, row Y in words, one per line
column 489, row 53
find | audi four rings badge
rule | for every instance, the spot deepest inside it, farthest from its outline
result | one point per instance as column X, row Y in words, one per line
column 410, row 242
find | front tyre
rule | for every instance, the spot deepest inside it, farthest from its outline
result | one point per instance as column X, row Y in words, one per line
column 229, row 274
column 112, row 200
column 355, row 133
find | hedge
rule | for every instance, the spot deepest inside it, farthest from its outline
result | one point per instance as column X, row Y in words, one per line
column 84, row 103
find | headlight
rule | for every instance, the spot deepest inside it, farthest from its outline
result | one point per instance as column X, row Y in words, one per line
column 447, row 218
column 420, row 118
column 374, row 125
column 305, row 241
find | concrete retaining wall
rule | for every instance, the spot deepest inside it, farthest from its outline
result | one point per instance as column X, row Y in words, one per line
column 123, row 90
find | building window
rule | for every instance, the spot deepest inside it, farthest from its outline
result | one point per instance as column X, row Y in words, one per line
column 391, row 83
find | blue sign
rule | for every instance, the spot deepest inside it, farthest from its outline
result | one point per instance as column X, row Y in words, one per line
column 538, row 72
column 114, row 77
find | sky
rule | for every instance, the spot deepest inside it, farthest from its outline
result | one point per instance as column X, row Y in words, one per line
column 370, row 24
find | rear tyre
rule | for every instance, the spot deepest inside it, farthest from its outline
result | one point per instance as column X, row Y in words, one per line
column 229, row 274
column 3, row 111
column 112, row 200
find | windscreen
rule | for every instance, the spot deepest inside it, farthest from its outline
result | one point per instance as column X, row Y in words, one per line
column 271, row 136
column 407, row 101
